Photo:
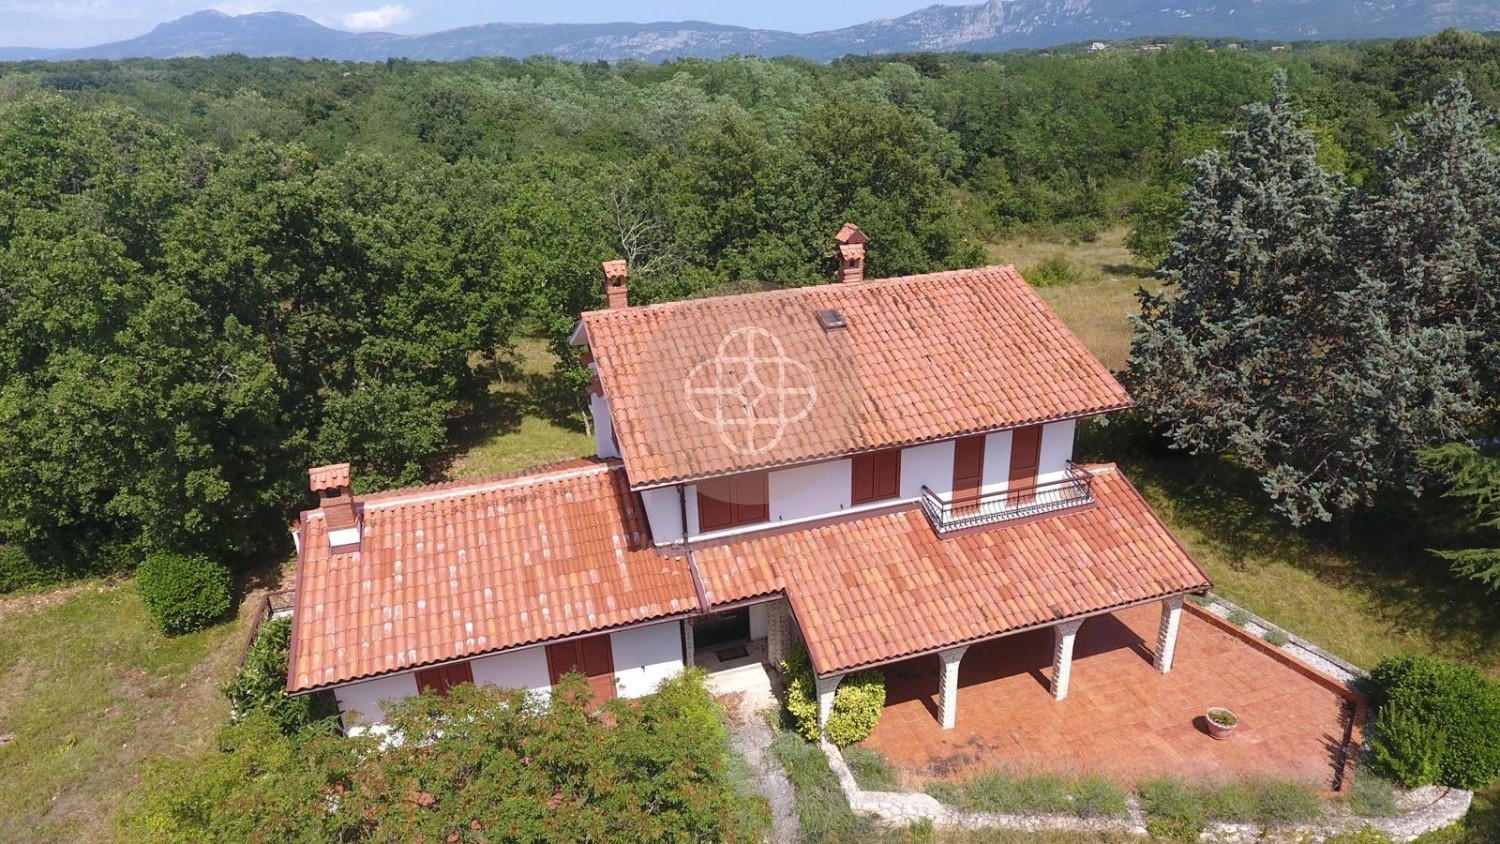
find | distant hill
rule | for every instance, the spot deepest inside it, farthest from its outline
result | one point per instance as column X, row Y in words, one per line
column 996, row 25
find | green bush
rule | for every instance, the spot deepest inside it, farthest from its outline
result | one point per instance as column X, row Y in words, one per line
column 260, row 685
column 1439, row 722
column 183, row 593
column 1372, row 796
column 856, row 705
column 1239, row 617
column 1178, row 811
column 1276, row 637
column 1053, row 271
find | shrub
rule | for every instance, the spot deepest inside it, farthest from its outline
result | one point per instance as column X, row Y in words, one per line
column 856, row 705
column 183, row 593
column 1173, row 811
column 1054, row 271
column 1223, row 717
column 1372, row 796
column 1097, row 797
column 1177, row 811
column 1276, row 637
column 1439, row 722
column 260, row 685
column 1001, row 793
column 1239, row 617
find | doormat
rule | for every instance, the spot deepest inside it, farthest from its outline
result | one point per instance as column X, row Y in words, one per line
column 736, row 652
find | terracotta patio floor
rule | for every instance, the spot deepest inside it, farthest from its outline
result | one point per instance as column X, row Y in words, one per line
column 1121, row 718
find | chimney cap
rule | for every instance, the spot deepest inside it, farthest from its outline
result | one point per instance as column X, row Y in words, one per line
column 614, row 270
column 335, row 476
column 851, row 234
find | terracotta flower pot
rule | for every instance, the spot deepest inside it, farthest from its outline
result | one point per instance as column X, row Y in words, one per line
column 1221, row 722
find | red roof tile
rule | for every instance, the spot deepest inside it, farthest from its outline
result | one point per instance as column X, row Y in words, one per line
column 869, row 590
column 465, row 569
column 922, row 358
column 328, row 477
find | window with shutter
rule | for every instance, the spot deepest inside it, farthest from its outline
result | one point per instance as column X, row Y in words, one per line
column 877, row 476
column 733, row 501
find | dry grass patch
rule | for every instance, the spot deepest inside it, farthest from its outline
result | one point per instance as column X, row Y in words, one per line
column 1096, row 307
column 92, row 691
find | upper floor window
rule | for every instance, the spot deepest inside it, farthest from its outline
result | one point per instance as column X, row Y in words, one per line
column 444, row 677
column 877, row 476
column 733, row 501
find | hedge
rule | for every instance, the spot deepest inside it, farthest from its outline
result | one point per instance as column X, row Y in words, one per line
column 856, row 705
column 183, row 593
column 1439, row 723
column 260, row 685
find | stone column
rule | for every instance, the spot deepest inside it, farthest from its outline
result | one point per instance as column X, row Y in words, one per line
column 1062, row 657
column 688, row 658
column 1166, row 637
column 948, row 693
column 778, row 632
column 827, row 686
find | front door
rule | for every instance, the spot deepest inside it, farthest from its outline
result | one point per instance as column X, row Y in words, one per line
column 721, row 628
column 968, row 473
column 592, row 657
column 1025, row 459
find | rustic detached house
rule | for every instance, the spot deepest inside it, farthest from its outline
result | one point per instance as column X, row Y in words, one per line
column 881, row 469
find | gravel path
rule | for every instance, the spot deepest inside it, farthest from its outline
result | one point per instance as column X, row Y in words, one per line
column 751, row 738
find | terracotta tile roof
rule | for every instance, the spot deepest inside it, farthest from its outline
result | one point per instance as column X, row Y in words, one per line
column 923, row 357
column 466, row 569
column 870, row 590
column 328, row 477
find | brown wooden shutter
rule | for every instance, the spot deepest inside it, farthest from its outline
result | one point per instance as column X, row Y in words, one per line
column 443, row 678
column 876, row 476
column 968, row 470
column 752, row 498
column 593, row 657
column 1025, row 460
column 715, row 504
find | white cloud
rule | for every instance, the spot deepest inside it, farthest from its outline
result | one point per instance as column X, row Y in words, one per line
column 380, row 18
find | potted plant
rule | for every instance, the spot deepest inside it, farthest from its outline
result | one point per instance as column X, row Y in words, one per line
column 1221, row 722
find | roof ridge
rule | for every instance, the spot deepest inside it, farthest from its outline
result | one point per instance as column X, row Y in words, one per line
column 790, row 292
column 572, row 467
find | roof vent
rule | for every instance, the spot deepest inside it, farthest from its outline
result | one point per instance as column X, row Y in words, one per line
column 831, row 319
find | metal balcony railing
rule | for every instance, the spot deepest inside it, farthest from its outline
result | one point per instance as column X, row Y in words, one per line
column 948, row 513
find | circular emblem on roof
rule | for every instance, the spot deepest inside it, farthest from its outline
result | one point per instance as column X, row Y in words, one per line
column 750, row 391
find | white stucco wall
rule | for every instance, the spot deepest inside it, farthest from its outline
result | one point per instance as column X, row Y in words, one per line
column 604, row 426
column 996, row 462
column 523, row 669
column 1057, row 449
column 664, row 514
column 758, row 620
column 930, row 465
column 645, row 656
column 824, row 489
column 815, row 490
column 361, row 702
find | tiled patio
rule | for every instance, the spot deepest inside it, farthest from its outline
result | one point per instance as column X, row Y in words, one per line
column 1121, row 718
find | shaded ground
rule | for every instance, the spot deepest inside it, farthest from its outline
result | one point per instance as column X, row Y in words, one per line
column 531, row 418
column 1121, row 718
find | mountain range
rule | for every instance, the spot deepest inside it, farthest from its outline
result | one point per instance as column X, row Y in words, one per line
column 995, row 25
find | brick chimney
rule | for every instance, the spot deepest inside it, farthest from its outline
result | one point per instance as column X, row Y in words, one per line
column 851, row 246
column 616, row 273
column 336, row 499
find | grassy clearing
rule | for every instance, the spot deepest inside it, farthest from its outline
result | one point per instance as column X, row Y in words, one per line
column 870, row 769
column 1097, row 304
column 91, row 692
column 530, row 420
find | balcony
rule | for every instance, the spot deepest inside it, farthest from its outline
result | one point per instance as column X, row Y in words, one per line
column 1074, row 489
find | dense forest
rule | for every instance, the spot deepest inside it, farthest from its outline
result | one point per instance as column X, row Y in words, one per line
column 215, row 273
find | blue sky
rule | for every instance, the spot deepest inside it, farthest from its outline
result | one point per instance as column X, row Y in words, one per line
column 79, row 23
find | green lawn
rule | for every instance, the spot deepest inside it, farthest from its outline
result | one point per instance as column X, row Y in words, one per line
column 90, row 692
column 529, row 421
